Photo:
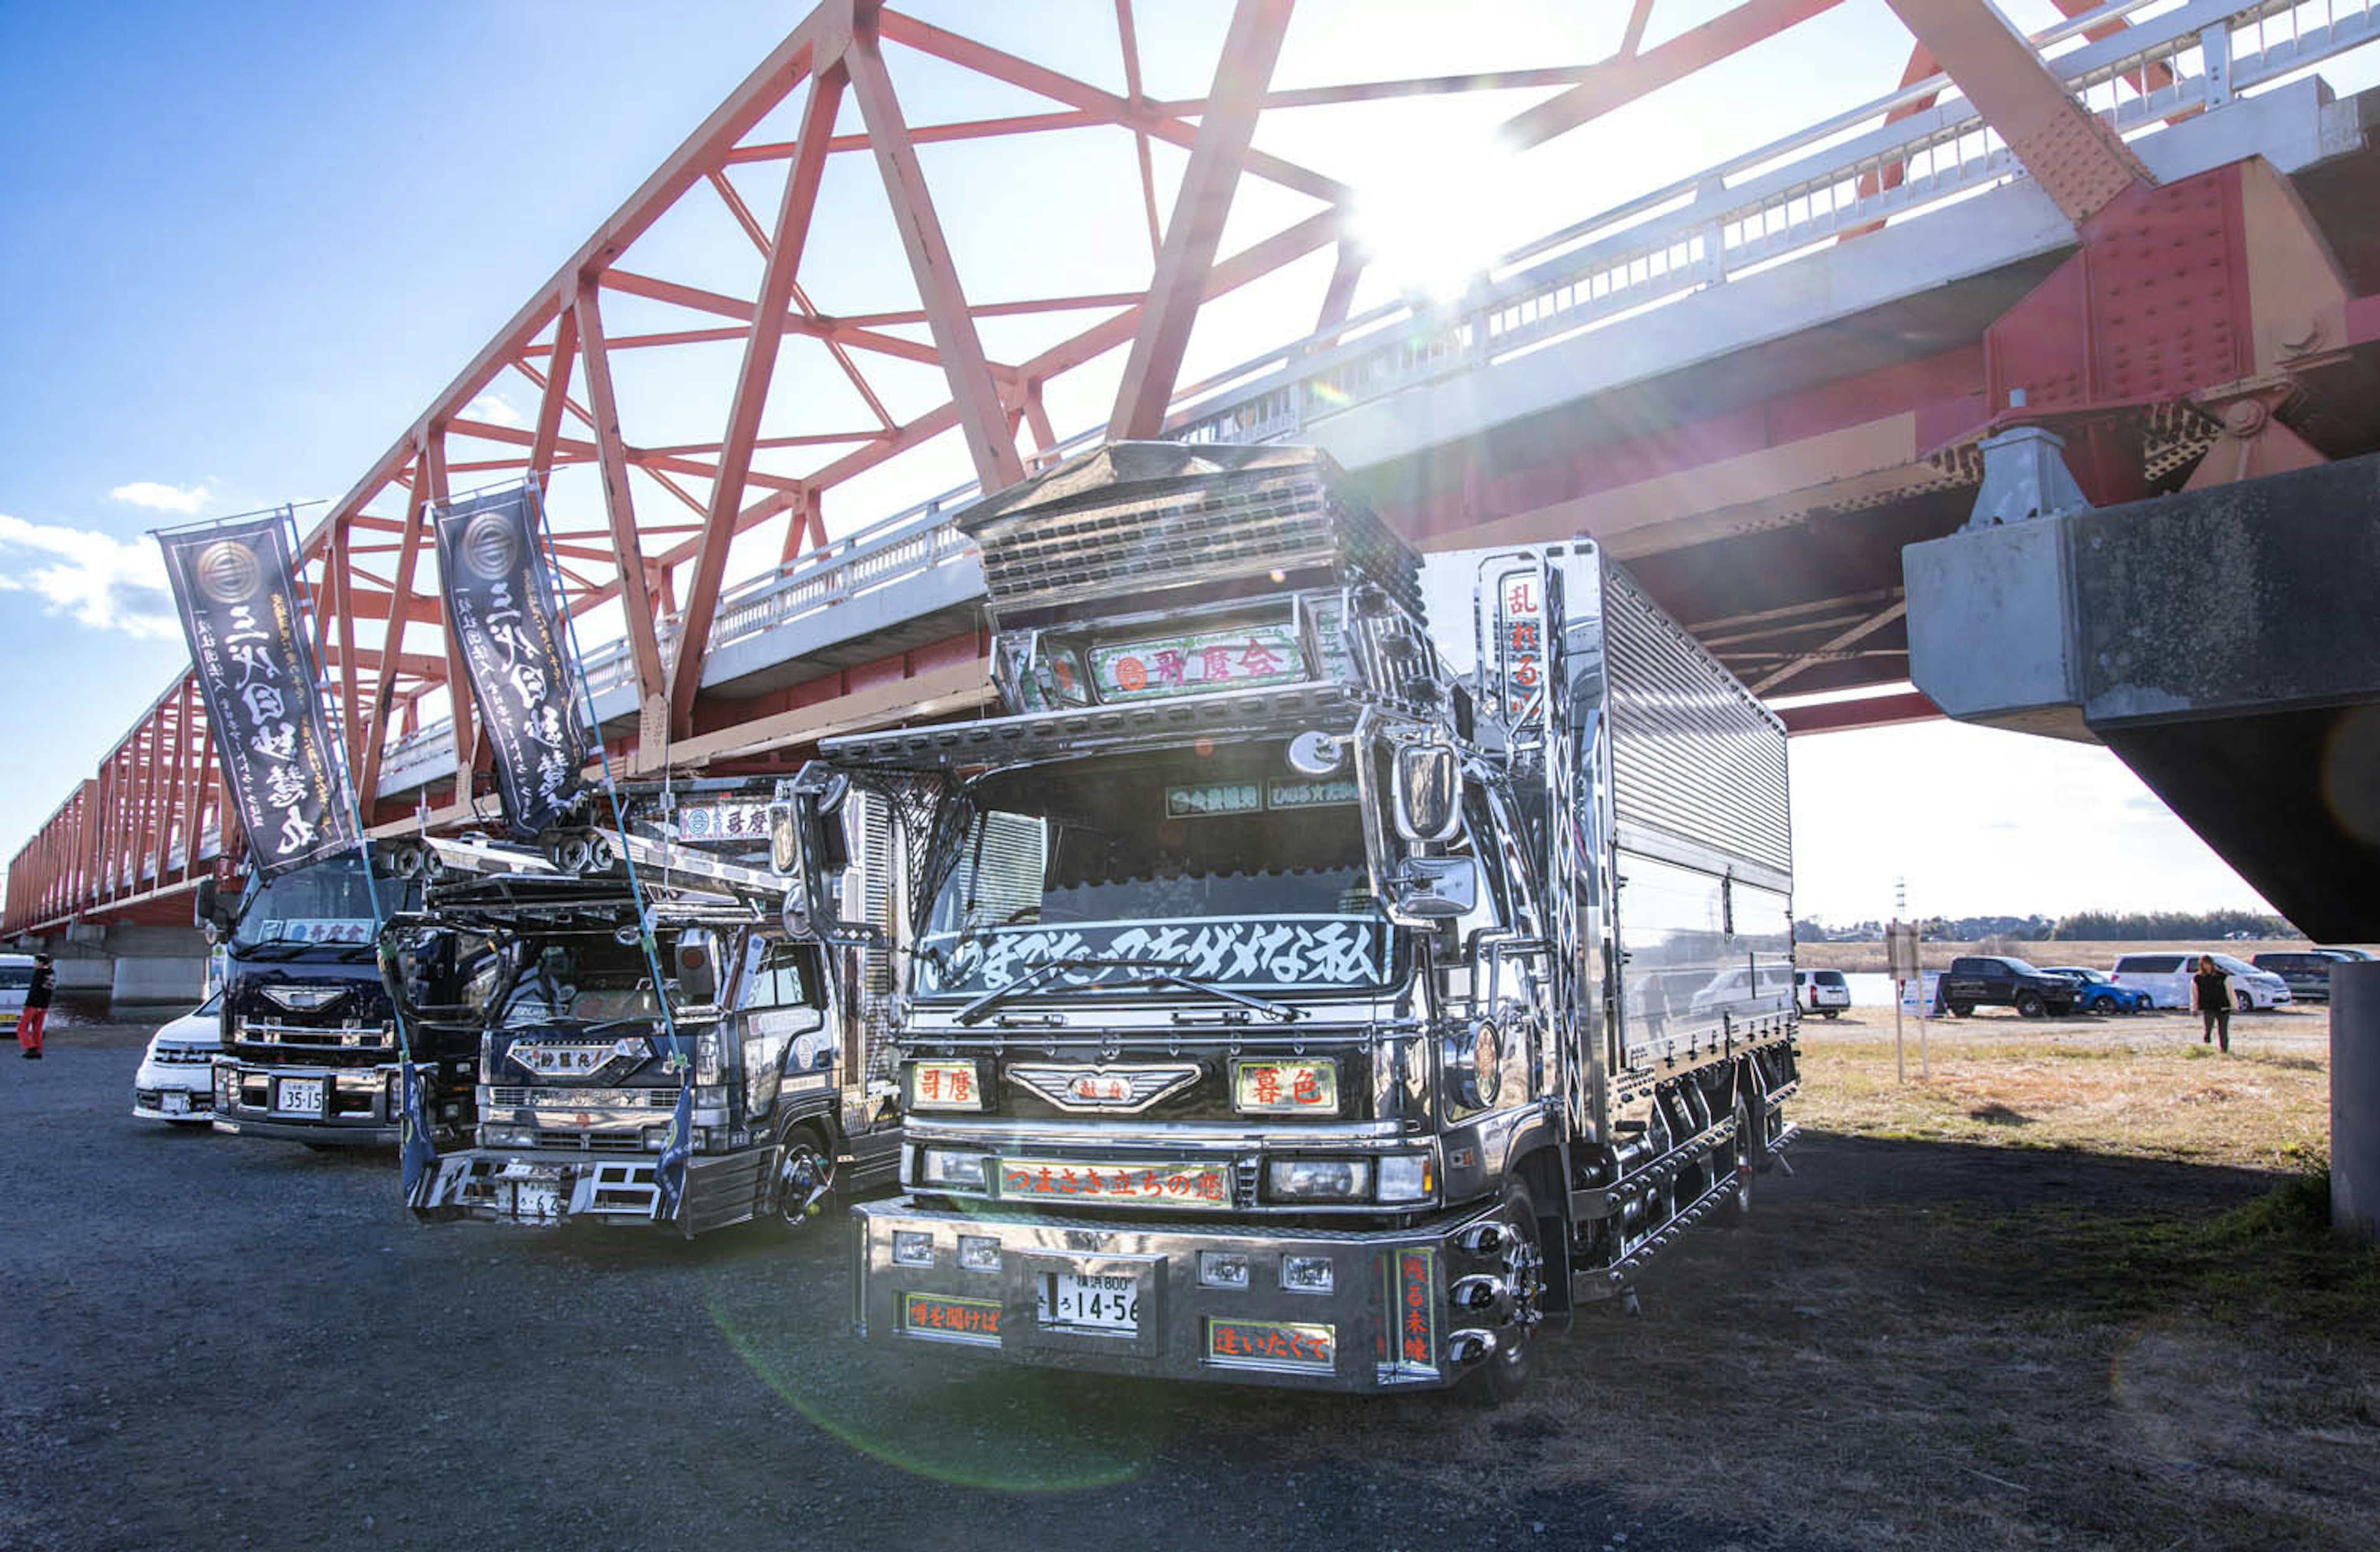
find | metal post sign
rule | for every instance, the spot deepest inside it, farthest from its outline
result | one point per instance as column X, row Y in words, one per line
column 502, row 611
column 235, row 586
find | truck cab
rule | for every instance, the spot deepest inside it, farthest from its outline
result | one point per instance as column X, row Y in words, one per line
column 1287, row 1003
column 583, row 1059
column 311, row 1051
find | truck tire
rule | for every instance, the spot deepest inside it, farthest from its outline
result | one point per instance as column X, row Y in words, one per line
column 1505, row 1374
column 1960, row 1010
column 2030, row 1005
column 805, row 1179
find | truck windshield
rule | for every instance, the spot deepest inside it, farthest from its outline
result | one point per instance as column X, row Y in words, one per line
column 330, row 903
column 1223, row 865
column 579, row 980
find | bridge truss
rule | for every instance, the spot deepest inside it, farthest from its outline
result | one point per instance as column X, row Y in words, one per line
column 697, row 412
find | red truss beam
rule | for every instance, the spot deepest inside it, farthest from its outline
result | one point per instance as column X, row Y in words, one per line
column 159, row 790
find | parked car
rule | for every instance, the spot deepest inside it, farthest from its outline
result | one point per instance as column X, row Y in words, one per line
column 2004, row 981
column 2100, row 993
column 2359, row 954
column 177, row 1081
column 16, row 980
column 2165, row 976
column 1823, row 992
column 2307, row 971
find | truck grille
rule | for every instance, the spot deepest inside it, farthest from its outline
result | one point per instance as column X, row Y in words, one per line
column 509, row 1097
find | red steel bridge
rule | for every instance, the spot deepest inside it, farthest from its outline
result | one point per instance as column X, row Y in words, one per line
column 2151, row 226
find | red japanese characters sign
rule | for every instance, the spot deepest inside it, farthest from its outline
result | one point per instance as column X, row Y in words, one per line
column 1199, row 1187
column 945, row 1085
column 1218, row 659
column 1520, row 646
column 933, row 1315
column 1417, row 1319
column 1286, row 1087
column 1271, row 1344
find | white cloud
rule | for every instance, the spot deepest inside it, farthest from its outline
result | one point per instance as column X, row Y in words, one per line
column 162, row 498
column 492, row 409
column 99, row 580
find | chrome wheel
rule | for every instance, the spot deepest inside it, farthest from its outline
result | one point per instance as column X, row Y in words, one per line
column 804, row 1178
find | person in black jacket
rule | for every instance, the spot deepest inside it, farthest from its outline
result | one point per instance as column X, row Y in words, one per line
column 37, row 1008
column 2210, row 992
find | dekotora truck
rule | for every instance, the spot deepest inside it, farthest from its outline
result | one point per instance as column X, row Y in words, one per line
column 1336, row 966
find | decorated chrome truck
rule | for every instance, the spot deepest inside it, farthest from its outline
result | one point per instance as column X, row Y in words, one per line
column 1337, row 966
column 583, row 1058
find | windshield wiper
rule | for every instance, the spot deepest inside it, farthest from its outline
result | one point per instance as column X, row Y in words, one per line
column 1281, row 1012
column 982, row 1007
column 288, row 948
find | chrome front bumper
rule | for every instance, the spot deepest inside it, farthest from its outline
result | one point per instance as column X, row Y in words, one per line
column 1385, row 1322
column 548, row 1187
column 355, row 1110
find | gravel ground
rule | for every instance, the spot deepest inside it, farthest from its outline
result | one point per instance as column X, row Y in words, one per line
column 216, row 1343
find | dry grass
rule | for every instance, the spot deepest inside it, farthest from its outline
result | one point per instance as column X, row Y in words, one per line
column 1870, row 956
column 2145, row 1088
column 2076, row 1290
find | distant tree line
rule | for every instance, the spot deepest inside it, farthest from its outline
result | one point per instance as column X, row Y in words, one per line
column 2097, row 926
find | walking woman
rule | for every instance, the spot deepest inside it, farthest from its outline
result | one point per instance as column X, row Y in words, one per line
column 2210, row 993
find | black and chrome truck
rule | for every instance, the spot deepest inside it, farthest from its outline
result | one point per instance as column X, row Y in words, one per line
column 1337, row 966
column 310, row 1052
column 582, row 1059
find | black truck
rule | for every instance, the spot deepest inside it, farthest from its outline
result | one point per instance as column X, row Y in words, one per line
column 583, row 1056
column 2003, row 981
column 309, row 1038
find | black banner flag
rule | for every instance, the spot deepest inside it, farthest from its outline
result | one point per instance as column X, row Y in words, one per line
column 517, row 651
column 236, row 585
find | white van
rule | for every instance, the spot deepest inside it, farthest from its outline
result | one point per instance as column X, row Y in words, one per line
column 16, row 980
column 2165, row 978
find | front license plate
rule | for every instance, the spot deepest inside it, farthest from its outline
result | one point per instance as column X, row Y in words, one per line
column 533, row 1201
column 299, row 1095
column 1204, row 1187
column 1109, row 1305
column 177, row 1104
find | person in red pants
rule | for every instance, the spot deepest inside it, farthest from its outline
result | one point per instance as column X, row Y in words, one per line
column 37, row 1008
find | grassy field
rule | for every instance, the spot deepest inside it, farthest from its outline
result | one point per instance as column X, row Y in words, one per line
column 2076, row 1290
column 2097, row 955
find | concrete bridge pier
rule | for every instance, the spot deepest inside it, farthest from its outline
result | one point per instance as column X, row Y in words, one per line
column 2355, row 1100
column 2224, row 643
column 130, row 965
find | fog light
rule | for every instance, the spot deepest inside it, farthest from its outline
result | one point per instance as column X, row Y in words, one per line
column 1406, row 1177
column 1305, row 1273
column 912, row 1248
column 1331, row 1179
column 1222, row 1268
column 950, row 1169
column 979, row 1253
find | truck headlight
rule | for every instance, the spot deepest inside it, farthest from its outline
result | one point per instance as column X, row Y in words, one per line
column 1319, row 1179
column 950, row 1169
column 1406, row 1177
column 508, row 1136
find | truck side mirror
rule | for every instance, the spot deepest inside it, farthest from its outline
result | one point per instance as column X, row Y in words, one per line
column 209, row 912
column 807, row 844
column 1425, row 783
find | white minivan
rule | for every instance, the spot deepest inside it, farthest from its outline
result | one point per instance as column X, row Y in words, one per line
column 2165, row 978
column 16, row 980
column 176, row 1081
column 1823, row 993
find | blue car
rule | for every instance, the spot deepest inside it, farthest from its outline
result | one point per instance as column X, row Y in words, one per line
column 2100, row 995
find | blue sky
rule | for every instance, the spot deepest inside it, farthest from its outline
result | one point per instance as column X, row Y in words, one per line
column 246, row 242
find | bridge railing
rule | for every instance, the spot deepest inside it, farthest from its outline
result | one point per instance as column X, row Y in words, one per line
column 1826, row 182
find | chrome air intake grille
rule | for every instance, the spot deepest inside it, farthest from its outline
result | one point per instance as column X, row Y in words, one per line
column 1672, row 703
column 509, row 1097
column 1117, row 530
